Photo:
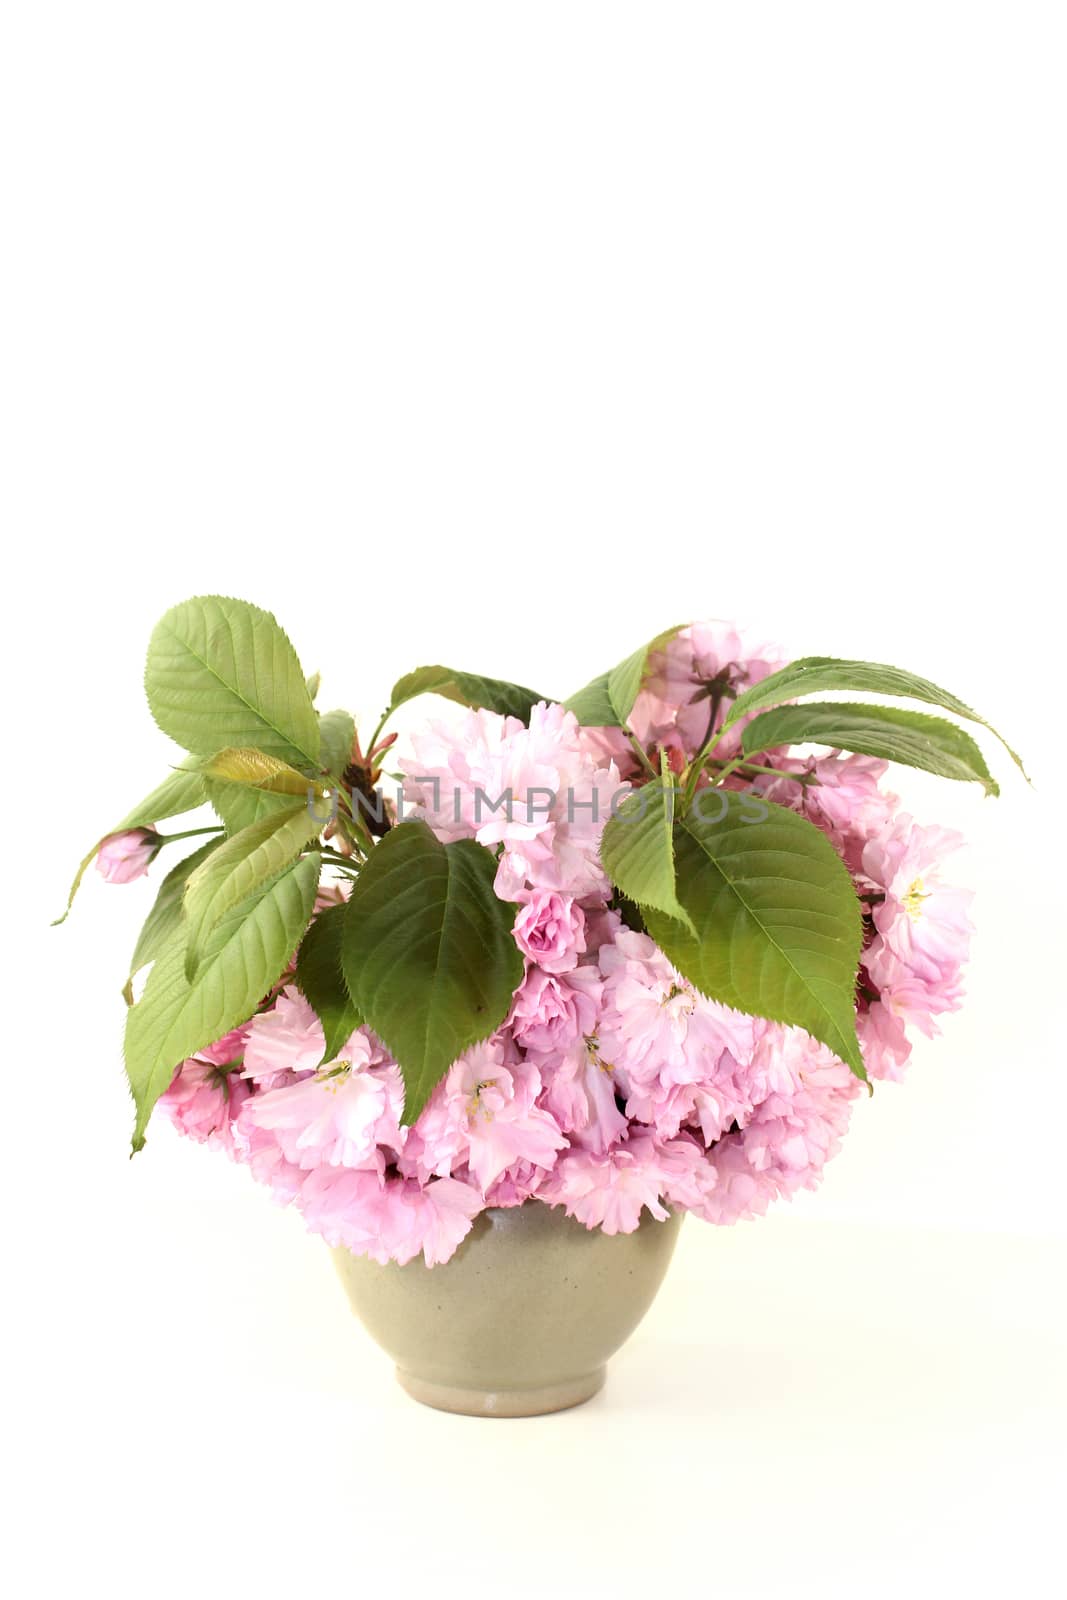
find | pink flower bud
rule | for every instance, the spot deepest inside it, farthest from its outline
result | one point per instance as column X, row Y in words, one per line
column 125, row 856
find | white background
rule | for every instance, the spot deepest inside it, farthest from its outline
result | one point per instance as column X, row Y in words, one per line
column 506, row 336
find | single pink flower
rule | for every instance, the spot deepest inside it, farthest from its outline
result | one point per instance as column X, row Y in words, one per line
column 339, row 1117
column 446, row 1209
column 551, row 1013
column 787, row 1138
column 675, row 1054
column 924, row 922
column 285, row 1039
column 483, row 1116
column 550, row 930
column 914, row 998
column 609, row 1191
column 389, row 1219
column 687, row 1174
column 258, row 1149
column 516, row 1184
column 579, row 1094
column 203, row 1102
column 363, row 1211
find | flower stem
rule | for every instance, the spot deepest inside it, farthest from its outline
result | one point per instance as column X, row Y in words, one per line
column 642, row 755
column 190, row 833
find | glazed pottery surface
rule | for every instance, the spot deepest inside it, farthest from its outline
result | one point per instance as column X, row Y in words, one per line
column 523, row 1317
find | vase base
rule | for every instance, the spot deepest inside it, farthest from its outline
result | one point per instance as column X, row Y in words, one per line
column 503, row 1402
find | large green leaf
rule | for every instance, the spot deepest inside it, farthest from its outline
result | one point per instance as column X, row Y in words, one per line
column 428, row 954
column 337, row 731
column 222, row 673
column 248, row 952
column 165, row 914
column 817, row 674
column 239, row 805
column 778, row 924
column 592, row 705
column 320, row 977
column 182, row 790
column 894, row 734
column 468, row 689
column 609, row 699
column 637, row 849
column 237, row 869
column 627, row 679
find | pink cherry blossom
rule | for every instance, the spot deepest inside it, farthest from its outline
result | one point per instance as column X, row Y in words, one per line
column 484, row 1116
column 390, row 1219
column 550, row 1012
column 675, row 1054
column 914, row 998
column 550, row 930
column 579, row 1093
column 536, row 790
column 924, row 922
column 692, row 681
column 609, row 1191
column 339, row 1117
column 284, row 1040
column 445, row 1211
column 789, row 1136
column 686, row 1173
column 516, row 1184
column 259, row 1150
column 203, row 1102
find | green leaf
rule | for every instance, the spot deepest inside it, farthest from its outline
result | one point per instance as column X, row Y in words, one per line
column 637, row 849
column 428, row 954
column 777, row 918
column 626, row 680
column 592, row 705
column 237, row 869
column 816, row 674
column 468, row 689
column 247, row 953
column 239, row 806
column 181, row 791
column 337, row 731
column 320, row 977
column 313, row 681
column 221, row 673
column 258, row 770
column 609, row 699
column 165, row 915
column 912, row 737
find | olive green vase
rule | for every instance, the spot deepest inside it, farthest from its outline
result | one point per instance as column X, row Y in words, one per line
column 524, row 1316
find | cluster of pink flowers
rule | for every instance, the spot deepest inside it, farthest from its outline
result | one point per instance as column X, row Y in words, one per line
column 613, row 1086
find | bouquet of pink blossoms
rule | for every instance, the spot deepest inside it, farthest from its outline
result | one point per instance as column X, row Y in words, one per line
column 625, row 952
